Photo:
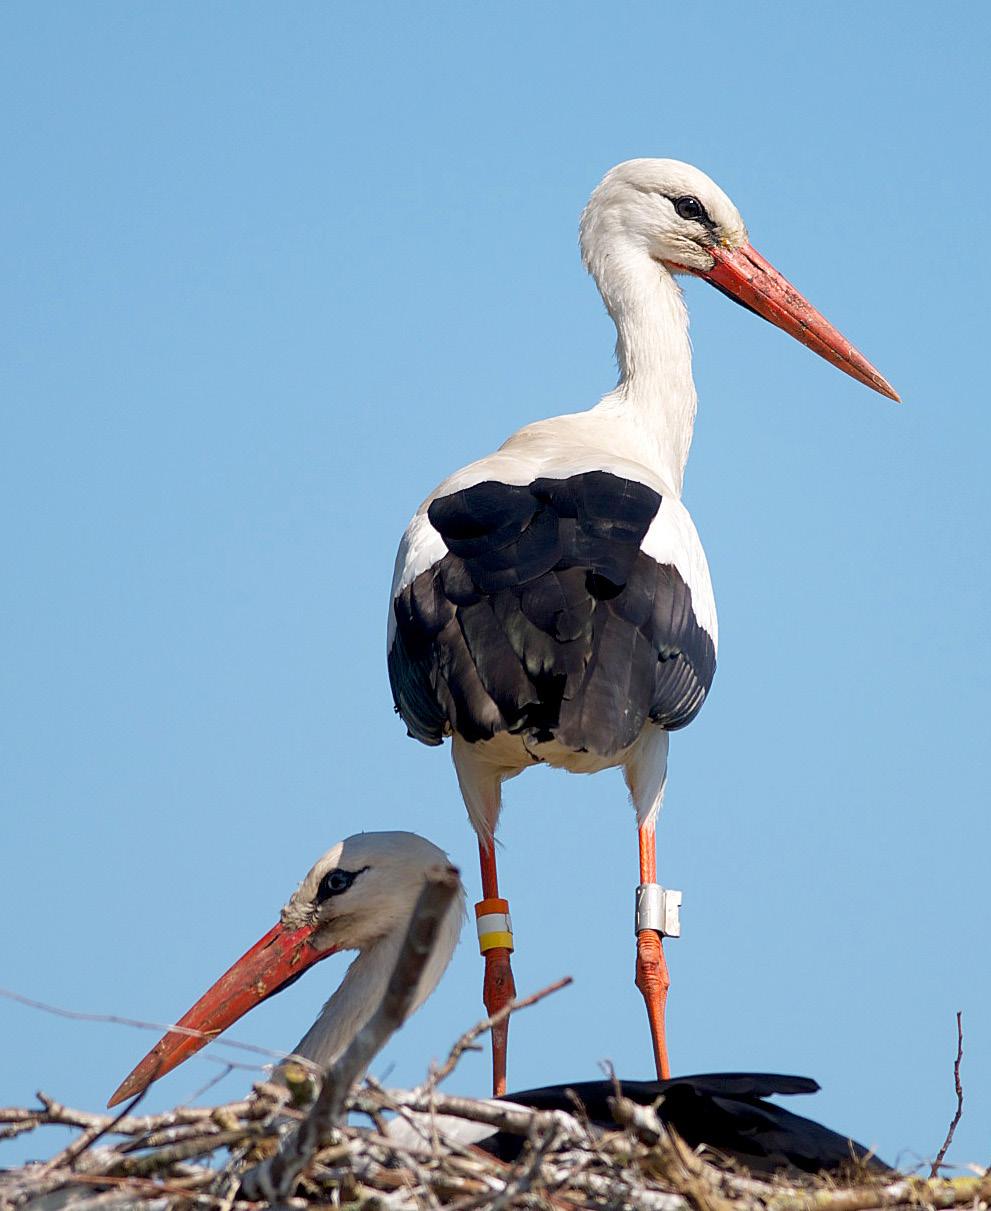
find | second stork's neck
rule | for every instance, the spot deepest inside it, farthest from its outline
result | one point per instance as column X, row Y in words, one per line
column 364, row 985
column 352, row 1004
column 656, row 390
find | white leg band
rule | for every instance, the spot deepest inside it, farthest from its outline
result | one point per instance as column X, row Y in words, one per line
column 494, row 922
column 495, row 929
column 658, row 909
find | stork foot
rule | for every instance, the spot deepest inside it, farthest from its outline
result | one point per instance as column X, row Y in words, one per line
column 653, row 981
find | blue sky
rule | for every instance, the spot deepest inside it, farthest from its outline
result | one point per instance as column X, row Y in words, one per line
column 267, row 274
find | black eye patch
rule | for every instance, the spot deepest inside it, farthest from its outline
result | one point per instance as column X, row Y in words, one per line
column 336, row 882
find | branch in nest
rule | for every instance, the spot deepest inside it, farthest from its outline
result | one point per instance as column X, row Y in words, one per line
column 468, row 1038
column 958, row 1114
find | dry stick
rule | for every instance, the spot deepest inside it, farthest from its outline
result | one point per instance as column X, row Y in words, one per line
column 16, row 1129
column 221, row 1076
column 68, row 1156
column 501, row 1116
column 673, row 1160
column 55, row 1114
column 907, row 1192
column 172, row 1135
column 469, row 1037
column 113, row 1020
column 184, row 1187
column 406, row 1158
column 161, row 1158
column 934, row 1171
column 452, row 1147
column 274, row 1179
column 71, row 1153
column 526, row 1175
column 604, row 1189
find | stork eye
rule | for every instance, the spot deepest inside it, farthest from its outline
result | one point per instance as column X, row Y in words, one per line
column 335, row 882
column 690, row 208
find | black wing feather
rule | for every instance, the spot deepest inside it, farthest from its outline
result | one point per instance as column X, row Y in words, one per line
column 546, row 618
column 724, row 1112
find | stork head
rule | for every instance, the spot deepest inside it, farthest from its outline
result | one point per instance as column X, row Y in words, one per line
column 668, row 210
column 362, row 890
column 671, row 214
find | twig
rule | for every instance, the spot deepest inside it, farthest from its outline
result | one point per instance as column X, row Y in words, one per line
column 53, row 1113
column 274, row 1179
column 113, row 1020
column 163, row 1158
column 909, row 1191
column 89, row 1137
column 610, row 1192
column 228, row 1068
column 172, row 1135
column 501, row 1116
column 185, row 1187
column 468, row 1038
column 526, row 1176
column 569, row 1167
column 958, row 1086
column 16, row 1129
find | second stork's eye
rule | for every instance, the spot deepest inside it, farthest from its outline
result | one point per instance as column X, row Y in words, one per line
column 335, row 882
column 690, row 208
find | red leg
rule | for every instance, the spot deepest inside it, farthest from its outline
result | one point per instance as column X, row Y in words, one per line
column 499, row 988
column 652, row 971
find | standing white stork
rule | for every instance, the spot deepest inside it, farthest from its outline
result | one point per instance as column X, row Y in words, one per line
column 552, row 602
column 361, row 895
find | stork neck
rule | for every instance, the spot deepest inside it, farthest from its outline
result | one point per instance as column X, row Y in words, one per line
column 353, row 1003
column 363, row 987
column 656, row 389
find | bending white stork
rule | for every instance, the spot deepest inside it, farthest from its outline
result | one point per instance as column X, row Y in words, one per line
column 551, row 602
column 361, row 894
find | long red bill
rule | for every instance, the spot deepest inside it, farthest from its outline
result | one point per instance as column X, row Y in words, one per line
column 745, row 276
column 273, row 962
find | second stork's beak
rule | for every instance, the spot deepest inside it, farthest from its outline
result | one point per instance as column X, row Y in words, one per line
column 273, row 963
column 746, row 277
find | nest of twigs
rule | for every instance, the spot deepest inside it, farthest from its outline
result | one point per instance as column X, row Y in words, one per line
column 290, row 1146
column 223, row 1158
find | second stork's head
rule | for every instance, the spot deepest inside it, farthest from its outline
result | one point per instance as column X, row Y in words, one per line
column 359, row 896
column 662, row 216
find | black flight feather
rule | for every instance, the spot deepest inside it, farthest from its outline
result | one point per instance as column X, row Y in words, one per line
column 545, row 618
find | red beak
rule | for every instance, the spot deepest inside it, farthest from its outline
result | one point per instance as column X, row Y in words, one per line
column 745, row 276
column 270, row 965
